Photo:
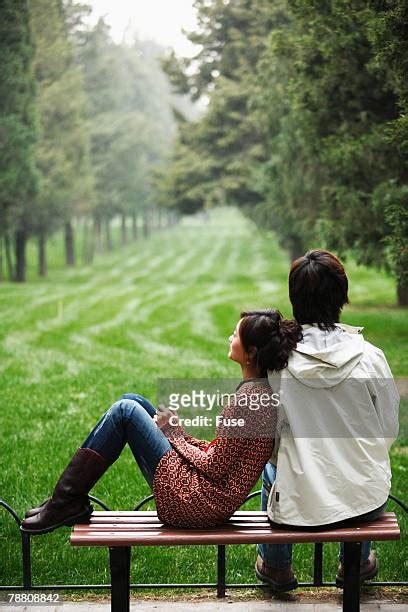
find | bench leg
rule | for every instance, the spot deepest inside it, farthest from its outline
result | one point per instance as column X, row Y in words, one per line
column 318, row 565
column 221, row 570
column 351, row 592
column 119, row 559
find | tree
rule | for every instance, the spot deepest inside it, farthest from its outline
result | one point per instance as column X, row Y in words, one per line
column 305, row 128
column 131, row 125
column 18, row 129
column 338, row 90
column 232, row 37
column 389, row 36
column 289, row 179
column 63, row 148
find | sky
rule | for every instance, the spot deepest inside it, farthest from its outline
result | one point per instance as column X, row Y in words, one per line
column 159, row 20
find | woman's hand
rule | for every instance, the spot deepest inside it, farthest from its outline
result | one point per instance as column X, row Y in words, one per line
column 163, row 416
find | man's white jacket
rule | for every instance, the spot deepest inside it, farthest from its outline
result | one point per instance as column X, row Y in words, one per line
column 338, row 417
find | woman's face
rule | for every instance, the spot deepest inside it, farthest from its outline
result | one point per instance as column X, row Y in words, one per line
column 237, row 352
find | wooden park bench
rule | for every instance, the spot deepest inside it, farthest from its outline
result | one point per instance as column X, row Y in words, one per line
column 121, row 530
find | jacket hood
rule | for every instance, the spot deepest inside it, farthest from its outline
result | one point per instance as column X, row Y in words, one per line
column 326, row 358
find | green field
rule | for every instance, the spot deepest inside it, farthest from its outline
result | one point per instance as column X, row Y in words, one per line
column 71, row 344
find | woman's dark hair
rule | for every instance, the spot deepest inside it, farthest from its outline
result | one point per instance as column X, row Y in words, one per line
column 272, row 336
column 318, row 288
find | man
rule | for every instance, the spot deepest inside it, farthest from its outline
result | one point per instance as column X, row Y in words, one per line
column 338, row 417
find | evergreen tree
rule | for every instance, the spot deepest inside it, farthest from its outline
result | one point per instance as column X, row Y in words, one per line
column 232, row 37
column 305, row 127
column 63, row 149
column 335, row 175
column 340, row 103
column 18, row 129
column 131, row 125
column 389, row 35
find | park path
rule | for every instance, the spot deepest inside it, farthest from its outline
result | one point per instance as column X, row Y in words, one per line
column 247, row 606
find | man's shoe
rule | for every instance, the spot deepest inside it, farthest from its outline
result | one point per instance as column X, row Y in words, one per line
column 69, row 503
column 280, row 580
column 368, row 570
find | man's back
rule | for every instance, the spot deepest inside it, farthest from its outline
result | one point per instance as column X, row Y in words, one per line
column 338, row 417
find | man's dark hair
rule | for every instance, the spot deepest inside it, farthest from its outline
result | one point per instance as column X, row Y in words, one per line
column 318, row 288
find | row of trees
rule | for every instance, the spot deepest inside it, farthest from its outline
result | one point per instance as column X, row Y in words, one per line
column 84, row 124
column 307, row 123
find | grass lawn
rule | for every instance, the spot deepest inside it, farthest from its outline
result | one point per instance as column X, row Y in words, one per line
column 71, row 344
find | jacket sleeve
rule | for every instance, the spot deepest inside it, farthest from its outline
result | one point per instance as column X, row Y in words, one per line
column 386, row 399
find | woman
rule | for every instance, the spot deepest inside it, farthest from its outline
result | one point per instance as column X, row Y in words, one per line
column 195, row 483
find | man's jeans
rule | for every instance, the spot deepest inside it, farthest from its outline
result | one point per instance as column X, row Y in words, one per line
column 280, row 555
column 130, row 420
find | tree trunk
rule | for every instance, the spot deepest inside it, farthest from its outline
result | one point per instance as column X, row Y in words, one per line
column 296, row 247
column 134, row 226
column 90, row 250
column 152, row 220
column 172, row 218
column 146, row 227
column 98, row 235
column 123, row 231
column 69, row 244
column 108, row 235
column 402, row 293
column 87, row 243
column 42, row 254
column 9, row 260
column 20, row 248
column 85, row 239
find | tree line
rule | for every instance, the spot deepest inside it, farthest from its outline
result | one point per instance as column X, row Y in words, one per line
column 84, row 125
column 306, row 127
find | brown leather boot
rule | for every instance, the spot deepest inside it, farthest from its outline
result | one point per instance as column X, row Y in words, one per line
column 69, row 503
column 36, row 509
column 280, row 580
column 368, row 570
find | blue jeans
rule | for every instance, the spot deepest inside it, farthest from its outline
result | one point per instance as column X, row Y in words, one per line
column 130, row 420
column 280, row 555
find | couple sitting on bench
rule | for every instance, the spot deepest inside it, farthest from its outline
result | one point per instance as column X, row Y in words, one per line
column 324, row 443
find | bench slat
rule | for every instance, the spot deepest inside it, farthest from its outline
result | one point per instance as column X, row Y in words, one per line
column 153, row 513
column 227, row 529
column 100, row 518
column 144, row 529
column 122, row 520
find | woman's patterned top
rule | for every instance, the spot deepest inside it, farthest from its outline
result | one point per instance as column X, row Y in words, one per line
column 201, row 484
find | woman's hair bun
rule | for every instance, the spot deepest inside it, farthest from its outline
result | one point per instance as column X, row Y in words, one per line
column 273, row 337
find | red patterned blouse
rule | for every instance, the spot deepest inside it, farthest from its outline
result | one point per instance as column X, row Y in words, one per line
column 201, row 484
